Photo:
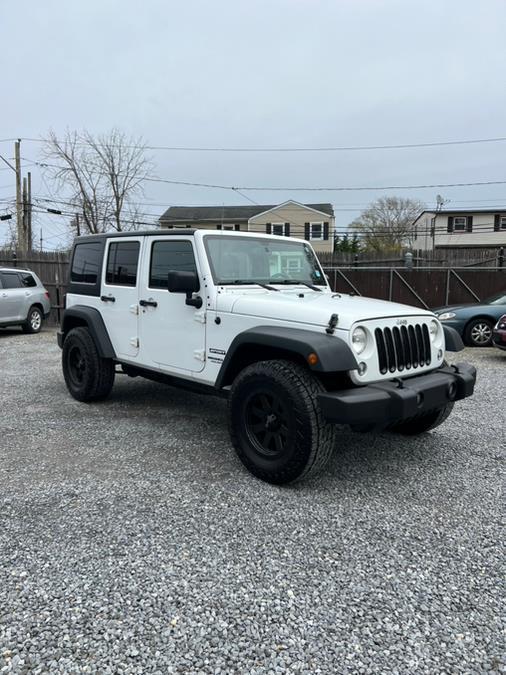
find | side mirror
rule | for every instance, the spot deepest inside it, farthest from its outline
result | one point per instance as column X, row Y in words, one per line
column 185, row 282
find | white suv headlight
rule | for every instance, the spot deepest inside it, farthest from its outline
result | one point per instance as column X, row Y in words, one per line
column 446, row 315
column 433, row 330
column 359, row 340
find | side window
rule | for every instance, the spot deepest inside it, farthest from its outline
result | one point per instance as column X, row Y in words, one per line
column 11, row 280
column 86, row 263
column 27, row 280
column 167, row 256
column 122, row 262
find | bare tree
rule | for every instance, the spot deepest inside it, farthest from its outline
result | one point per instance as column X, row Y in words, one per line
column 102, row 176
column 387, row 224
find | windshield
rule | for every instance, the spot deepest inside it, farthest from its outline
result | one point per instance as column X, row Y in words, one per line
column 498, row 299
column 245, row 260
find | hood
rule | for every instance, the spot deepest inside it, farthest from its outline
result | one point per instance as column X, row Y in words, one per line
column 311, row 307
column 452, row 308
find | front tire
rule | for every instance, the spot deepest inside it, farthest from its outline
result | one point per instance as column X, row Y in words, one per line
column 276, row 425
column 33, row 323
column 427, row 422
column 478, row 333
column 88, row 376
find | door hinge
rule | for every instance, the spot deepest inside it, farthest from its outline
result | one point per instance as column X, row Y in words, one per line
column 199, row 354
column 200, row 316
column 134, row 342
column 134, row 309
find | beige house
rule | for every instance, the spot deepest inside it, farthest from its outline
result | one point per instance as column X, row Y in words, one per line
column 313, row 222
column 484, row 228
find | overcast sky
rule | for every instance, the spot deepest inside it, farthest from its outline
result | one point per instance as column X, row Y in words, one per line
column 264, row 73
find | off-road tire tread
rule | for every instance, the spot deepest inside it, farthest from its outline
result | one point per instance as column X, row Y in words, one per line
column 423, row 423
column 103, row 370
column 304, row 386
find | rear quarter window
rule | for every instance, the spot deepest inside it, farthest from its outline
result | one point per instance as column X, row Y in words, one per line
column 86, row 263
column 27, row 280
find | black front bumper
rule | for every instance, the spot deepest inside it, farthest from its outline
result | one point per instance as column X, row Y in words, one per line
column 382, row 404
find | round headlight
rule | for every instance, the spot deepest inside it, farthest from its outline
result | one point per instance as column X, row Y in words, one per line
column 433, row 330
column 359, row 340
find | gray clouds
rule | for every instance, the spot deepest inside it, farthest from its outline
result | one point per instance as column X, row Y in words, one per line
column 279, row 73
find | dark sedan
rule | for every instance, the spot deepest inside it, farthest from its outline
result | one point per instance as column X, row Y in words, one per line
column 474, row 322
column 499, row 333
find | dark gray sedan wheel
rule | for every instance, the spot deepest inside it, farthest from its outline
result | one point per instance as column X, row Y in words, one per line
column 478, row 333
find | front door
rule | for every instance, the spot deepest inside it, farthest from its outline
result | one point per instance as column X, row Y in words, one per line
column 120, row 294
column 172, row 333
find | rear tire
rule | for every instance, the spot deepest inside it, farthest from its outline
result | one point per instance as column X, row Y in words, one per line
column 419, row 425
column 276, row 425
column 33, row 323
column 88, row 376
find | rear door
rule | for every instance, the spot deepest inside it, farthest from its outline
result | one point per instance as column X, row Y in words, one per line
column 14, row 296
column 120, row 295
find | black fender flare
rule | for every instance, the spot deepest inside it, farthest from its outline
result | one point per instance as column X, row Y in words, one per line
column 334, row 355
column 453, row 341
column 79, row 315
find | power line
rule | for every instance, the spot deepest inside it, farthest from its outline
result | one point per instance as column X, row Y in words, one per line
column 342, row 148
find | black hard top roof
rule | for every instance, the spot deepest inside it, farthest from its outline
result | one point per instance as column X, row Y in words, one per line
column 137, row 233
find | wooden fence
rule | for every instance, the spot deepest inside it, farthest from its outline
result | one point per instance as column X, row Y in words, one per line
column 427, row 287
column 422, row 286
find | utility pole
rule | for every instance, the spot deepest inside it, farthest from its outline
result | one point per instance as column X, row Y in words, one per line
column 78, row 228
column 19, row 205
column 41, row 240
column 29, row 212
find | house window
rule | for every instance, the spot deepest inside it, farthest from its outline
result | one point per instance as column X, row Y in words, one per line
column 228, row 227
column 459, row 223
column 316, row 230
column 502, row 225
column 278, row 228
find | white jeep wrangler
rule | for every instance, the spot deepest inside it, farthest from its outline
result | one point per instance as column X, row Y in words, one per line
column 253, row 318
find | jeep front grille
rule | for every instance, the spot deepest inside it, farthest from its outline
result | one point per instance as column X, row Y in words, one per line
column 403, row 348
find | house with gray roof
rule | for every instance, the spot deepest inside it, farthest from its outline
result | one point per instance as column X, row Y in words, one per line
column 313, row 222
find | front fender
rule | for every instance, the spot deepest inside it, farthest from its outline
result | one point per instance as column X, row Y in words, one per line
column 334, row 355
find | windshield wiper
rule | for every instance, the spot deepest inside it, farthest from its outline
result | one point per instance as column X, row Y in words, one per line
column 295, row 282
column 245, row 282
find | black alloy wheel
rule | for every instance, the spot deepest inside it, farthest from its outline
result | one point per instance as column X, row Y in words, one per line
column 268, row 423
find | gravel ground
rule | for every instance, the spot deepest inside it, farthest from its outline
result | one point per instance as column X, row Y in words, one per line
column 132, row 541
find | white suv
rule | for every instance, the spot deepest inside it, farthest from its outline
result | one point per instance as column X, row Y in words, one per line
column 252, row 317
column 23, row 300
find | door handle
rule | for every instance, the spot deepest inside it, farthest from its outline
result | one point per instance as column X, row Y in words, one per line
column 148, row 303
column 107, row 298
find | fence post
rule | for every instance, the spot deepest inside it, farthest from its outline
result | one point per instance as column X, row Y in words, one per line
column 355, row 260
column 391, row 284
column 500, row 258
column 408, row 261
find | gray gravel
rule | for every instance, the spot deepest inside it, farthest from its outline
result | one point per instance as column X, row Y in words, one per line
column 132, row 541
